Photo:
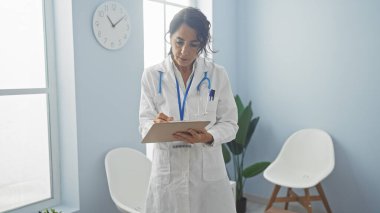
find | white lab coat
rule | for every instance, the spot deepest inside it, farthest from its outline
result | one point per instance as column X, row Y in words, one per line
column 189, row 179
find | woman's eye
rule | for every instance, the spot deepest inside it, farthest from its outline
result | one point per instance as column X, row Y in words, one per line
column 196, row 45
column 180, row 43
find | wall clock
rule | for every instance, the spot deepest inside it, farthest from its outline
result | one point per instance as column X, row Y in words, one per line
column 111, row 25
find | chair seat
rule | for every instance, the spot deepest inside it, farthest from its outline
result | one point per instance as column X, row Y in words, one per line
column 293, row 178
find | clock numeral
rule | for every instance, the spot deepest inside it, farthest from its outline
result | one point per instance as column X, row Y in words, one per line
column 105, row 7
column 105, row 40
column 114, row 7
column 100, row 33
column 101, row 13
column 119, row 42
column 97, row 23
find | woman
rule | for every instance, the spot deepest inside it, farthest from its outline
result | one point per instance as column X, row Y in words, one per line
column 189, row 175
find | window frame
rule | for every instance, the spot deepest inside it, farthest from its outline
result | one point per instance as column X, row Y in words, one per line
column 52, row 110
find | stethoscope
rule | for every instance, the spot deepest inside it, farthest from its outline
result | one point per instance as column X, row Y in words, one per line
column 181, row 105
column 205, row 78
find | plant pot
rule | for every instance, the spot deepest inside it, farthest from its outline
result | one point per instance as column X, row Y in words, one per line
column 241, row 205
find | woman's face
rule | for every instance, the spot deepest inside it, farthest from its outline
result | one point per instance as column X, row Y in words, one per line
column 185, row 47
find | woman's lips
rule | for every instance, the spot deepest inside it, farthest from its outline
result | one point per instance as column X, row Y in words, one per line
column 182, row 59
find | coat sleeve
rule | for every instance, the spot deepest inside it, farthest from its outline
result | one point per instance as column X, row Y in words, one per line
column 226, row 126
column 147, row 110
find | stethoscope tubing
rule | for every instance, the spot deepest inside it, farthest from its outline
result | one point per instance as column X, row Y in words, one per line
column 205, row 78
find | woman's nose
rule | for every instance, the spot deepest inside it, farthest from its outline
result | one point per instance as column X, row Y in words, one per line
column 185, row 49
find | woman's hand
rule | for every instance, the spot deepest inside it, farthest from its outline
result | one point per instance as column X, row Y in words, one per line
column 194, row 136
column 162, row 118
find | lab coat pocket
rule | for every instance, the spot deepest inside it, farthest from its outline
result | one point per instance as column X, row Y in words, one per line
column 212, row 104
column 211, row 110
column 161, row 166
column 206, row 111
column 213, row 164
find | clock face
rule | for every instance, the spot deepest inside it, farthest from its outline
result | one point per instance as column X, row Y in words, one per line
column 111, row 25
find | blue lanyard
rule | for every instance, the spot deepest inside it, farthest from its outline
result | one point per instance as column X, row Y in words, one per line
column 182, row 107
column 160, row 84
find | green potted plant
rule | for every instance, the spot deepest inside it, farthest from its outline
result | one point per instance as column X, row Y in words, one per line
column 236, row 150
column 49, row 211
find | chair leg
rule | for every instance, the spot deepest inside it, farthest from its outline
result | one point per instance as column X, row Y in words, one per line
column 273, row 196
column 288, row 196
column 323, row 197
column 307, row 202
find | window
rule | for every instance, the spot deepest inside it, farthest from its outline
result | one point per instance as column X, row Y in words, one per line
column 28, row 123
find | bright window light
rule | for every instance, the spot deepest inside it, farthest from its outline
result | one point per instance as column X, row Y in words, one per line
column 22, row 52
column 24, row 150
column 27, row 100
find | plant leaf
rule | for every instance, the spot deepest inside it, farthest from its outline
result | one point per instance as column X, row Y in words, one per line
column 255, row 169
column 239, row 105
column 226, row 154
column 243, row 123
column 235, row 148
column 251, row 130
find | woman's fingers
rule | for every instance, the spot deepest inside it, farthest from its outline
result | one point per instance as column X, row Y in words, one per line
column 192, row 136
column 162, row 118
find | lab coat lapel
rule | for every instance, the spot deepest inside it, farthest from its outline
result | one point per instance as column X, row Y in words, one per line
column 167, row 67
column 198, row 76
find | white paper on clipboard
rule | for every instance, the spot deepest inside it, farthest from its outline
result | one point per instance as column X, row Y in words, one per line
column 163, row 132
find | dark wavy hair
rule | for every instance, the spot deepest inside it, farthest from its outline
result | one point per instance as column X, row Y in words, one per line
column 195, row 19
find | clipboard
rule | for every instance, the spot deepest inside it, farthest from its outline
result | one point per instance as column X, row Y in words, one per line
column 163, row 132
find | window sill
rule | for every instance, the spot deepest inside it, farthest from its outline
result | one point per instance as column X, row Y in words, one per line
column 66, row 209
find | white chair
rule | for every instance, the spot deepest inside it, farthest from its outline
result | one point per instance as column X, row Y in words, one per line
column 306, row 158
column 128, row 173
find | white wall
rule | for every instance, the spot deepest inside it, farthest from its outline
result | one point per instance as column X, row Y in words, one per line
column 316, row 64
column 67, row 106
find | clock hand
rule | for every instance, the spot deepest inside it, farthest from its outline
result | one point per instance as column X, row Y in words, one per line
column 119, row 21
column 112, row 24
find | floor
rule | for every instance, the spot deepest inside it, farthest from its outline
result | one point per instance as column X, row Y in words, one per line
column 255, row 207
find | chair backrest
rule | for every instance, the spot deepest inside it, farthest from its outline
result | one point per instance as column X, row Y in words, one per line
column 128, row 173
column 308, row 150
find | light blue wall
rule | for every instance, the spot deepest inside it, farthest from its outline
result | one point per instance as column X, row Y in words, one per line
column 224, row 37
column 303, row 63
column 316, row 64
column 107, row 93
